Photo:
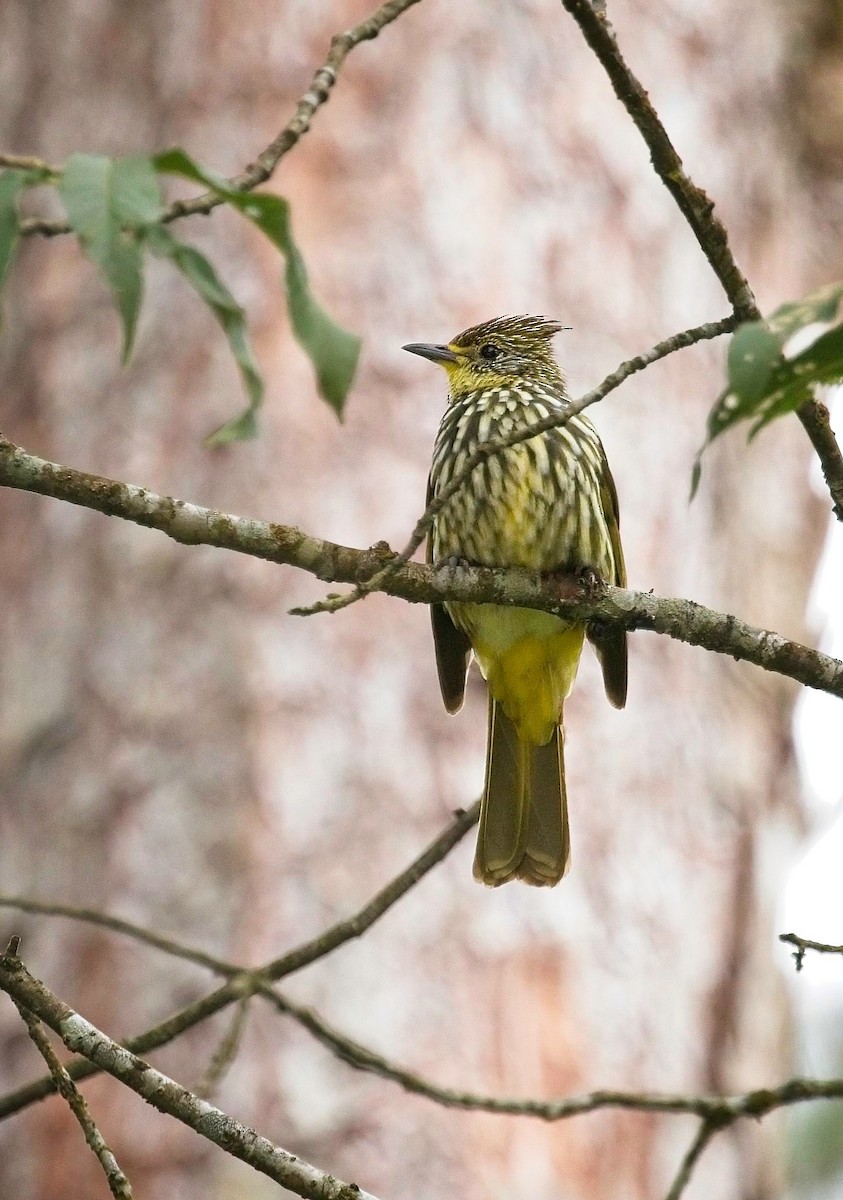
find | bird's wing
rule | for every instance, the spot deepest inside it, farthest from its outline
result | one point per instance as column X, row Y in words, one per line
column 609, row 641
column 453, row 649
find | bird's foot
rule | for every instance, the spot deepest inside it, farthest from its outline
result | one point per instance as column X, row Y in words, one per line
column 583, row 583
column 450, row 566
column 591, row 583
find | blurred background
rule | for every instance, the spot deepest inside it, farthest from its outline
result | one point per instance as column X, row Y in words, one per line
column 175, row 748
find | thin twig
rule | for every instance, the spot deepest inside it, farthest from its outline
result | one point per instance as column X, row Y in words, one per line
column 190, row 524
column 816, row 421
column 240, row 984
column 118, row 1184
column 803, row 944
column 698, row 210
column 678, row 341
column 717, row 1110
column 696, row 207
column 25, row 162
column 225, row 1053
column 264, row 165
column 140, row 933
column 706, row 1131
column 168, row 1096
column 710, row 1108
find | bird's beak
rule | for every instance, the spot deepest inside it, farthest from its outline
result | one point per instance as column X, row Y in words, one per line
column 440, row 354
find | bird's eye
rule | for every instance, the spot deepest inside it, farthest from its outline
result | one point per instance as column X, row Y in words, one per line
column 489, row 352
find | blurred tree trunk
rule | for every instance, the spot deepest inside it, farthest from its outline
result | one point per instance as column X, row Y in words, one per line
column 174, row 747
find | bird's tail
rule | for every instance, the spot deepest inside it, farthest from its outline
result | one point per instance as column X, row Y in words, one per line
column 524, row 812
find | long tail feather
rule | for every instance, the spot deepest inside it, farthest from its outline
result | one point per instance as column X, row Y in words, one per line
column 548, row 846
column 523, row 830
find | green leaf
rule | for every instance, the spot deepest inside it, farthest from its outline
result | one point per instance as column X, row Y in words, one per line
column 754, row 353
column 763, row 383
column 11, row 185
column 821, row 305
column 108, row 201
column 796, row 380
column 203, row 278
column 334, row 351
column 179, row 162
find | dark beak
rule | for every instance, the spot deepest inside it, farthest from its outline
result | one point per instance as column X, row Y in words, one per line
column 434, row 353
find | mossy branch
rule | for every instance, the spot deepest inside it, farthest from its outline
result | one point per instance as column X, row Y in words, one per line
column 194, row 525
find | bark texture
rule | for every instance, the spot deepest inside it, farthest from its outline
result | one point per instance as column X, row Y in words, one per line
column 174, row 747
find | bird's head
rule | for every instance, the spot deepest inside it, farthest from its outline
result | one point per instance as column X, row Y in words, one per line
column 501, row 353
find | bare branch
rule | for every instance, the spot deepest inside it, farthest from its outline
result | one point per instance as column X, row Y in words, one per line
column 696, row 207
column 168, row 1096
column 803, row 944
column 118, row 1184
column 816, row 421
column 226, row 1051
column 262, row 168
column 698, row 210
column 25, row 162
column 702, row 1137
column 243, row 984
column 192, row 525
column 715, row 1110
column 93, row 916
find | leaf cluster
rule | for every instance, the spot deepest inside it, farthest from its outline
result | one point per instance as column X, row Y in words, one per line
column 772, row 371
column 115, row 206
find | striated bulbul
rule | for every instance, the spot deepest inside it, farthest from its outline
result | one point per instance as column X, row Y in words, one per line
column 547, row 504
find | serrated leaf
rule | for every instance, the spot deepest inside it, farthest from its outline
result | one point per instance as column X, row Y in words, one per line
column 202, row 276
column 334, row 351
column 108, row 201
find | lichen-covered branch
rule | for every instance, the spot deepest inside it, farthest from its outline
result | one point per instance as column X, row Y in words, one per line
column 168, row 1096
column 191, row 524
column 118, row 1184
column 714, row 1112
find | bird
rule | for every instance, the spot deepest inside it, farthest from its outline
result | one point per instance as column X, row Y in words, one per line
column 547, row 504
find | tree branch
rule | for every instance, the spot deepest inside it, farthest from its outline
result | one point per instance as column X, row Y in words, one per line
column 226, row 1052
column 703, row 1136
column 803, row 944
column 168, row 1096
column 698, row 210
column 25, row 162
column 715, row 1112
column 118, row 1184
column 264, row 165
column 190, row 524
column 243, row 984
